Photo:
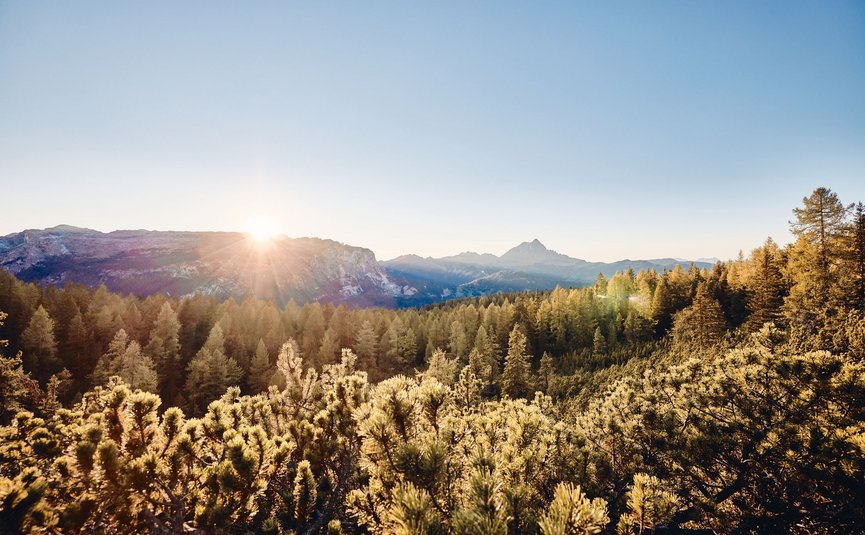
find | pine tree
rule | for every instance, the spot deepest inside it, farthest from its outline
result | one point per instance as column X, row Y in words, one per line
column 442, row 368
column 210, row 372
column 637, row 328
column 458, row 342
column 620, row 287
column 821, row 221
column 366, row 346
column 599, row 343
column 600, row 285
column 572, row 513
column 515, row 377
column 855, row 258
column 329, row 348
column 390, row 341
column 407, row 347
column 813, row 299
column 484, row 361
column 260, row 369
column 766, row 297
column 702, row 323
column 108, row 364
column 546, row 373
column 137, row 369
column 76, row 350
column 40, row 348
column 164, row 348
column 17, row 389
column 662, row 307
column 313, row 331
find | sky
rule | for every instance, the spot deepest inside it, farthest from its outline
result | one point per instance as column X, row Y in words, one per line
column 608, row 130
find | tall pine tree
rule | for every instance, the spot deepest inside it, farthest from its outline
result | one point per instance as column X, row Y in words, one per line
column 515, row 377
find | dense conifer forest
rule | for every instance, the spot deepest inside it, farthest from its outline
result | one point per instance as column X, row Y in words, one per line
column 729, row 400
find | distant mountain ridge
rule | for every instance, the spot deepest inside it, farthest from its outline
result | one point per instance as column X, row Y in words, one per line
column 528, row 266
column 230, row 264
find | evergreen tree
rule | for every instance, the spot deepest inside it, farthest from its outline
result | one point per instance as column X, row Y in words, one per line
column 515, row 377
column 599, row 343
column 260, row 369
column 366, row 346
column 458, row 342
column 164, row 348
column 620, row 288
column 76, row 349
column 329, row 348
column 210, row 372
column 313, row 330
column 855, row 258
column 108, row 364
column 767, row 286
column 40, row 348
column 407, row 348
column 702, row 323
column 442, row 368
column 137, row 369
column 662, row 307
column 813, row 300
column 637, row 328
column 821, row 222
column 18, row 391
column 572, row 513
column 600, row 285
column 546, row 372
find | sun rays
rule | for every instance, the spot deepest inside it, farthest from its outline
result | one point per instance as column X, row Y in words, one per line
column 261, row 228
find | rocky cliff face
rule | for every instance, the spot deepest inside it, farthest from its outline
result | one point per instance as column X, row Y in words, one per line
column 223, row 264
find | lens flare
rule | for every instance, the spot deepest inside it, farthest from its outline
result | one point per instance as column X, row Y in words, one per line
column 261, row 229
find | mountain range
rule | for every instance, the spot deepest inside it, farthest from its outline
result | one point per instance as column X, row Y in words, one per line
column 231, row 264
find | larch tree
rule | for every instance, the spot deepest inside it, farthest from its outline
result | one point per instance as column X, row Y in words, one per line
column 137, row 369
column 407, row 348
column 516, row 380
column 164, row 348
column 599, row 343
column 702, row 323
column 662, row 307
column 819, row 226
column 40, row 348
column 441, row 367
column 108, row 364
column 260, row 369
column 766, row 296
column 210, row 372
column 854, row 256
column 546, row 372
column 329, row 348
column 76, row 351
column 366, row 346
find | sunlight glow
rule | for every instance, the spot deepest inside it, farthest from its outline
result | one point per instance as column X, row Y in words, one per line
column 261, row 228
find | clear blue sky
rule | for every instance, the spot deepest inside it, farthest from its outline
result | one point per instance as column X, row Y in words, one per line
column 606, row 129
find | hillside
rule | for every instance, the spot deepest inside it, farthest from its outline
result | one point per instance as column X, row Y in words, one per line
column 221, row 264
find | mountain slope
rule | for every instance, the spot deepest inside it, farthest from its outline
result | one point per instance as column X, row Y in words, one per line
column 223, row 264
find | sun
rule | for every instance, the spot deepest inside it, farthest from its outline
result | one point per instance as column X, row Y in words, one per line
column 261, row 228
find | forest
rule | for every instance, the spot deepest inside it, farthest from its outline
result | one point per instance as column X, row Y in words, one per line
column 729, row 400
